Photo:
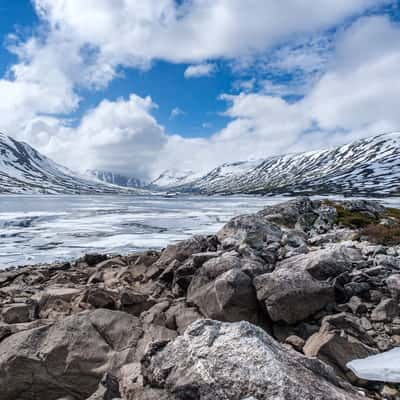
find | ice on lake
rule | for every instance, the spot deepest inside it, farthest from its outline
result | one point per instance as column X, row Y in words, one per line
column 43, row 229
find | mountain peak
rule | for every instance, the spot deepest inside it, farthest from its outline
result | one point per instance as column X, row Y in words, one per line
column 24, row 170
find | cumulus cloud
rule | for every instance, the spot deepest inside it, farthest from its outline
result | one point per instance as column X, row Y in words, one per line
column 199, row 70
column 120, row 136
column 136, row 31
column 356, row 97
column 352, row 93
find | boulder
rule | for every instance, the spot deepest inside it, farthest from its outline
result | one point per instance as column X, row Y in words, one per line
column 184, row 249
column 100, row 298
column 230, row 297
column 393, row 284
column 327, row 218
column 252, row 230
column 360, row 205
column 299, row 213
column 291, row 294
column 94, row 258
column 327, row 263
column 68, row 357
column 134, row 302
column 388, row 261
column 19, row 313
column 179, row 316
column 215, row 360
column 57, row 301
column 386, row 310
column 340, row 340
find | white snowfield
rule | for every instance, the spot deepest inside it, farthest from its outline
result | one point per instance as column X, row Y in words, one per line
column 384, row 367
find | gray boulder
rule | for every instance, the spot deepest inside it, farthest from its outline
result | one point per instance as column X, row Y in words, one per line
column 393, row 284
column 299, row 213
column 19, row 312
column 70, row 356
column 215, row 360
column 302, row 285
column 340, row 340
column 252, row 230
column 386, row 310
column 184, row 249
column 229, row 297
column 292, row 295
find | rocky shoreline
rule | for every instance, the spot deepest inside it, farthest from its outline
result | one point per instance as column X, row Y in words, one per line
column 273, row 306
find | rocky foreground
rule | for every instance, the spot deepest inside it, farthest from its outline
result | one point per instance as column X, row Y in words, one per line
column 272, row 307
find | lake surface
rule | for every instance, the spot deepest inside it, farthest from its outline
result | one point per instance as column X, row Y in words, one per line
column 43, row 229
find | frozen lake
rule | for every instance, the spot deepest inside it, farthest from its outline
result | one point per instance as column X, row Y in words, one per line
column 41, row 229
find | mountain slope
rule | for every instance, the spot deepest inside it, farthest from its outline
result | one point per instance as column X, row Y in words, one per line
column 25, row 170
column 365, row 167
column 115, row 179
column 173, row 178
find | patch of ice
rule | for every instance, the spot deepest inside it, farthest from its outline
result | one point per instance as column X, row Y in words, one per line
column 384, row 367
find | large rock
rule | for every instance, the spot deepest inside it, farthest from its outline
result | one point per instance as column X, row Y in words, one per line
column 393, row 284
column 57, row 301
column 215, row 360
column 69, row 357
column 230, row 297
column 366, row 206
column 298, row 213
column 325, row 263
column 386, row 310
column 19, row 313
column 340, row 340
column 252, row 230
column 295, row 291
column 184, row 249
column 302, row 285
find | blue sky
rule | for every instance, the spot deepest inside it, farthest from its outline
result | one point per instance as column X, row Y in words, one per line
column 138, row 87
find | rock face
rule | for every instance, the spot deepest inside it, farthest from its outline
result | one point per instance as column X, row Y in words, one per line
column 275, row 305
column 291, row 294
column 70, row 356
column 215, row 360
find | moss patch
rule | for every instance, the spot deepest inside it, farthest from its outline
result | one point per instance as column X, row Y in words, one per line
column 382, row 234
column 393, row 213
column 353, row 219
column 370, row 227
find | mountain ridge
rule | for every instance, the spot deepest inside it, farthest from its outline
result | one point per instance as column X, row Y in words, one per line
column 115, row 178
column 369, row 166
column 24, row 170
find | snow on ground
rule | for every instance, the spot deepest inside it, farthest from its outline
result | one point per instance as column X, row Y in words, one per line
column 384, row 367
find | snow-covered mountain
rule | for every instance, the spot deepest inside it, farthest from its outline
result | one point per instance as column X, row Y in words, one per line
column 115, row 179
column 25, row 170
column 365, row 167
column 173, row 178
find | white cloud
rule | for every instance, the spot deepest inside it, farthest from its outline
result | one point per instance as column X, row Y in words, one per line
column 199, row 70
column 120, row 136
column 141, row 30
column 356, row 97
column 83, row 43
column 176, row 112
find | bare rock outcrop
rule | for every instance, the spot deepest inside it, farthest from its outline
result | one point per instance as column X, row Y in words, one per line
column 214, row 360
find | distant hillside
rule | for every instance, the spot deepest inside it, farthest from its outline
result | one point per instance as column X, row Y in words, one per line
column 25, row 170
column 365, row 167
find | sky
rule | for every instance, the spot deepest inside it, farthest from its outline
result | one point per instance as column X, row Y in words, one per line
column 141, row 86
